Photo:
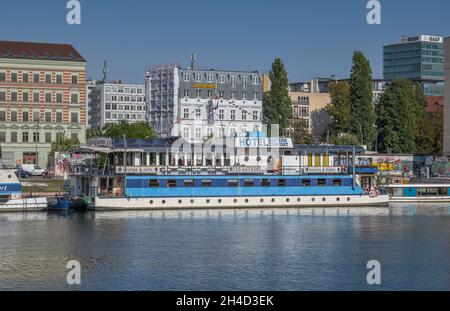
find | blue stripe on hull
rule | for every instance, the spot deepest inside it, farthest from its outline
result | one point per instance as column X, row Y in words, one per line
column 241, row 191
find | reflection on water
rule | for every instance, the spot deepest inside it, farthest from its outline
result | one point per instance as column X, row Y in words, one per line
column 246, row 249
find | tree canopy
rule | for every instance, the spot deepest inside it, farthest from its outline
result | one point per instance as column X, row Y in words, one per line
column 277, row 107
column 130, row 130
column 362, row 116
column 339, row 108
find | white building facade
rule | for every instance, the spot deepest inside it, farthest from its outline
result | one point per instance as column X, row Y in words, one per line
column 198, row 104
column 114, row 102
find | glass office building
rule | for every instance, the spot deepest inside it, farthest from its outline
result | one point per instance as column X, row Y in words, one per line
column 417, row 58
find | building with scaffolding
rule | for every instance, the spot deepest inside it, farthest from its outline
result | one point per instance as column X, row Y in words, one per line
column 197, row 104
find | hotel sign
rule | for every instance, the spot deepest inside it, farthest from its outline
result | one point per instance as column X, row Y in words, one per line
column 255, row 142
column 322, row 170
column 204, row 86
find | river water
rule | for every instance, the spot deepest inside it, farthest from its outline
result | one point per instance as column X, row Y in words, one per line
column 272, row 249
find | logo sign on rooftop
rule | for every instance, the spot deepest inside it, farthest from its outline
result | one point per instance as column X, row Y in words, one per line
column 100, row 142
column 422, row 38
column 204, row 86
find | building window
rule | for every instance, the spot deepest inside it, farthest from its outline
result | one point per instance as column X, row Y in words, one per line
column 35, row 137
column 2, row 137
column 221, row 79
column 221, row 114
column 13, row 96
column 210, row 78
column 59, row 79
column 198, row 77
column 233, row 114
column 186, row 93
column 74, row 80
column 25, row 117
column 74, row 98
column 36, row 116
column 48, row 97
column 198, row 113
column 244, row 81
column 36, row 97
column 14, row 77
column 244, row 114
column 25, row 78
column 255, row 80
column 48, row 78
column 36, row 77
column 2, row 96
column 198, row 133
column 59, row 117
column 2, row 116
column 13, row 116
column 186, row 133
column 233, row 94
column 2, row 77
column 25, row 97
column 48, row 117
column 25, row 137
column 256, row 96
column 14, row 137
column 199, row 93
column 186, row 113
column 186, row 77
column 244, row 95
column 255, row 115
column 74, row 117
column 48, row 137
column 233, row 81
column 221, row 94
column 59, row 98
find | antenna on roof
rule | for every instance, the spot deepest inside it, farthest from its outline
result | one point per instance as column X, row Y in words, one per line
column 105, row 71
column 193, row 60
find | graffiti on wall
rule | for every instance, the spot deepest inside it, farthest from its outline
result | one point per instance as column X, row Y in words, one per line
column 438, row 166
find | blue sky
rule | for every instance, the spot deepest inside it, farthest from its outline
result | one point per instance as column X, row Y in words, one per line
column 313, row 38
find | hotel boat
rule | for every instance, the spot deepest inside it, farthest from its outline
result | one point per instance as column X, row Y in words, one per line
column 141, row 185
column 11, row 192
column 420, row 193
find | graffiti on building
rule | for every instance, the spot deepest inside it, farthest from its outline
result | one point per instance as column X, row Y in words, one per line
column 438, row 166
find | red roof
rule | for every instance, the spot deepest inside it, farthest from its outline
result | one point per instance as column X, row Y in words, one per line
column 39, row 51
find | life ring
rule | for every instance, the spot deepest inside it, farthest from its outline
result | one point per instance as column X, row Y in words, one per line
column 367, row 189
column 344, row 169
column 373, row 194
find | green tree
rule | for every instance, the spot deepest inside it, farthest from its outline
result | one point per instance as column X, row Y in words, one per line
column 397, row 118
column 277, row 107
column 64, row 144
column 130, row 130
column 301, row 134
column 363, row 118
column 339, row 108
column 346, row 139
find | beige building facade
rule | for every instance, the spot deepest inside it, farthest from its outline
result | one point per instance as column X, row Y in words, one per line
column 311, row 108
column 42, row 96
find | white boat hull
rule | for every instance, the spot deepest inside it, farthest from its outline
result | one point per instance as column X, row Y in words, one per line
column 122, row 203
column 23, row 205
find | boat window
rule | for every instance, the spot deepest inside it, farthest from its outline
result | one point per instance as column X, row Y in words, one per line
column 171, row 183
column 153, row 183
column 189, row 183
column 443, row 191
column 421, row 192
column 306, row 182
column 432, row 191
column 232, row 183
column 265, row 182
column 321, row 182
column 249, row 183
column 337, row 182
column 281, row 182
column 206, row 183
column 397, row 192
